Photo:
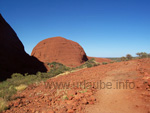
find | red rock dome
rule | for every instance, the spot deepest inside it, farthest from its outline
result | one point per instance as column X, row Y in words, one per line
column 60, row 50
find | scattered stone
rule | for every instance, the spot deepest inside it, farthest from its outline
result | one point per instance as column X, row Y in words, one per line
column 70, row 111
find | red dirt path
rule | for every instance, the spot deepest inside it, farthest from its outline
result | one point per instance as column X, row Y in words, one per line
column 39, row 99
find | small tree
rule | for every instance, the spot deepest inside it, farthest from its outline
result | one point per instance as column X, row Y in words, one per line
column 142, row 55
column 123, row 58
column 129, row 57
column 138, row 54
column 149, row 55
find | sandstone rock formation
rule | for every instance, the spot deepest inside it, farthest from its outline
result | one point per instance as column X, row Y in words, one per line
column 13, row 58
column 61, row 50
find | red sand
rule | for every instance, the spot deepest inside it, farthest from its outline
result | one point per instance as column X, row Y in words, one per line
column 39, row 99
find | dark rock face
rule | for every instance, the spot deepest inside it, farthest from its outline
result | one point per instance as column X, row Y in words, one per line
column 61, row 50
column 13, row 58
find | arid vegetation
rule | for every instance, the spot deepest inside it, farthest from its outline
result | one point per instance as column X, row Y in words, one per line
column 143, row 55
column 19, row 82
column 140, row 55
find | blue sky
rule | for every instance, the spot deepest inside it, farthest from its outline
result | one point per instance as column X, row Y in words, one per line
column 104, row 28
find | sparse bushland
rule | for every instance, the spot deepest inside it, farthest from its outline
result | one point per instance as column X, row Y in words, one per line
column 19, row 82
column 104, row 63
column 16, row 83
column 143, row 55
column 117, row 59
column 57, row 68
column 112, row 62
column 3, row 104
column 129, row 57
column 88, row 64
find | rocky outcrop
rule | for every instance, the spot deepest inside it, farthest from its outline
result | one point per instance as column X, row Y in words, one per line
column 13, row 58
column 61, row 50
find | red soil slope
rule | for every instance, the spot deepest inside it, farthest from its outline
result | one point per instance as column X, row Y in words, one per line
column 100, row 60
column 61, row 50
column 13, row 58
column 90, row 97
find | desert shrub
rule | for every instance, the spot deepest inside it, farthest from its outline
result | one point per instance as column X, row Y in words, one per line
column 57, row 68
column 129, row 57
column 112, row 62
column 8, row 92
column 17, row 75
column 19, row 82
column 142, row 55
column 9, row 87
column 115, row 59
column 92, row 60
column 96, row 64
column 123, row 59
column 3, row 104
column 21, row 87
column 89, row 65
column 104, row 63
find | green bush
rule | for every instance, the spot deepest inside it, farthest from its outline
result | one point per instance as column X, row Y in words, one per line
column 104, row 63
column 143, row 55
column 8, row 92
column 123, row 59
column 129, row 57
column 89, row 65
column 3, row 105
column 16, row 75
column 112, row 62
column 9, row 87
column 115, row 59
column 57, row 68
